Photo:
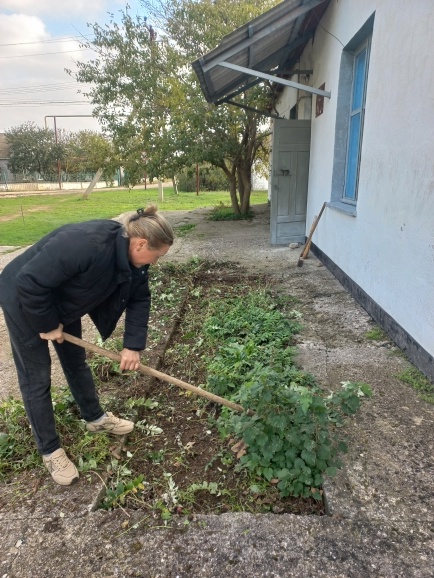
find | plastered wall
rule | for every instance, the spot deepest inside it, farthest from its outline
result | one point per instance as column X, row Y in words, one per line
column 388, row 247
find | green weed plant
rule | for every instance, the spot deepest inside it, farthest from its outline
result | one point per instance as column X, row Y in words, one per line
column 293, row 439
column 376, row 334
column 222, row 212
column 17, row 447
column 183, row 230
column 122, row 486
column 418, row 381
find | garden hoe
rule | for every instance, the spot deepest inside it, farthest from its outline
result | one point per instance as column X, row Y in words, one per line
column 304, row 254
column 158, row 374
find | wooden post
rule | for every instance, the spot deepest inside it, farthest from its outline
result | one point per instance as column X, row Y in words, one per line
column 92, row 183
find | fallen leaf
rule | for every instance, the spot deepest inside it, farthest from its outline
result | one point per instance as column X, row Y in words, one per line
column 313, row 490
column 241, row 445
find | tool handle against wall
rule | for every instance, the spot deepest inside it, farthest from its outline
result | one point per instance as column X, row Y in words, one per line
column 158, row 374
column 306, row 249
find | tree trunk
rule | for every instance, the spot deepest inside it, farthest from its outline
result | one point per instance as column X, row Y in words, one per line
column 246, row 199
column 231, row 176
column 245, row 162
column 233, row 193
column 175, row 185
column 241, row 186
column 245, row 185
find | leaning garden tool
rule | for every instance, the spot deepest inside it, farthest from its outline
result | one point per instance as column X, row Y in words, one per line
column 158, row 374
column 306, row 248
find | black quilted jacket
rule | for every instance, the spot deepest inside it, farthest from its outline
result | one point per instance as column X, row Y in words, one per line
column 77, row 269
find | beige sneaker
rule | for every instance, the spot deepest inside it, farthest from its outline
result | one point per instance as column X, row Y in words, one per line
column 61, row 468
column 111, row 424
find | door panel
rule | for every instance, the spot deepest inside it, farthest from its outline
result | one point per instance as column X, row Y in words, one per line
column 290, row 173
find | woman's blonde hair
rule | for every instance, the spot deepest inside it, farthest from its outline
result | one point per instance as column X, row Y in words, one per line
column 147, row 224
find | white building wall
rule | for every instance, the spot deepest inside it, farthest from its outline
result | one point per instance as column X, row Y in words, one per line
column 388, row 248
column 259, row 182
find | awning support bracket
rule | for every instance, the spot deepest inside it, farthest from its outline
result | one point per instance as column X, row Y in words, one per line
column 246, row 107
column 278, row 80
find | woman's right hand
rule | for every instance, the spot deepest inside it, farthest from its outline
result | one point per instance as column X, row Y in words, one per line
column 55, row 335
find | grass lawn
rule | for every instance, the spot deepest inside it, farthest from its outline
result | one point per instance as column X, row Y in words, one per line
column 25, row 219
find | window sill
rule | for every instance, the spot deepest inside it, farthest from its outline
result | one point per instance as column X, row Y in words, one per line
column 350, row 210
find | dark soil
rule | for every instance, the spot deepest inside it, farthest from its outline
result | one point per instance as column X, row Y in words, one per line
column 190, row 451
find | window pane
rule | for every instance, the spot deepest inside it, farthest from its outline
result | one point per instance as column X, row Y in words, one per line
column 353, row 157
column 359, row 79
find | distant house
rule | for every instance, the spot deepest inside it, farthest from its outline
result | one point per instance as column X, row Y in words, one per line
column 4, row 157
column 354, row 129
column 259, row 181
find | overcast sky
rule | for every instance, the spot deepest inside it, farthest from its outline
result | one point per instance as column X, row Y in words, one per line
column 38, row 40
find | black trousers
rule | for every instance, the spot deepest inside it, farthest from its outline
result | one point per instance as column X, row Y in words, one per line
column 33, row 363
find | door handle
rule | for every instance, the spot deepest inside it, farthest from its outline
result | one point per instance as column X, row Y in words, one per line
column 282, row 173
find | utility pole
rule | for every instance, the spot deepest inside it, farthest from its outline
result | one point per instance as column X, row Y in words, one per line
column 59, row 172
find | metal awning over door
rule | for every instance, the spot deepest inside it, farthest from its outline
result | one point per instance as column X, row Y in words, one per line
column 268, row 47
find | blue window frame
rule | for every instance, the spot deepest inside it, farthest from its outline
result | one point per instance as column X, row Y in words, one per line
column 355, row 124
column 350, row 115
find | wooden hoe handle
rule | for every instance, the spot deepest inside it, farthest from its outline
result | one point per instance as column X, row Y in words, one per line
column 306, row 248
column 158, row 374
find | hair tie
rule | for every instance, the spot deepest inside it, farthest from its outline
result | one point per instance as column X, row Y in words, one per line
column 140, row 213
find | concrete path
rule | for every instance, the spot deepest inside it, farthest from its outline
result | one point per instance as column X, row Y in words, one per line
column 381, row 504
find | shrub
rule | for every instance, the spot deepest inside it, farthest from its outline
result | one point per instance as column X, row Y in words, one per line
column 222, row 212
column 210, row 179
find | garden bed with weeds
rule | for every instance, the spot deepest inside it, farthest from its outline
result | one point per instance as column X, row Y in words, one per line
column 222, row 330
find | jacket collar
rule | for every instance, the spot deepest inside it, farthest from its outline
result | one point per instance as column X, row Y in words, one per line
column 122, row 261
